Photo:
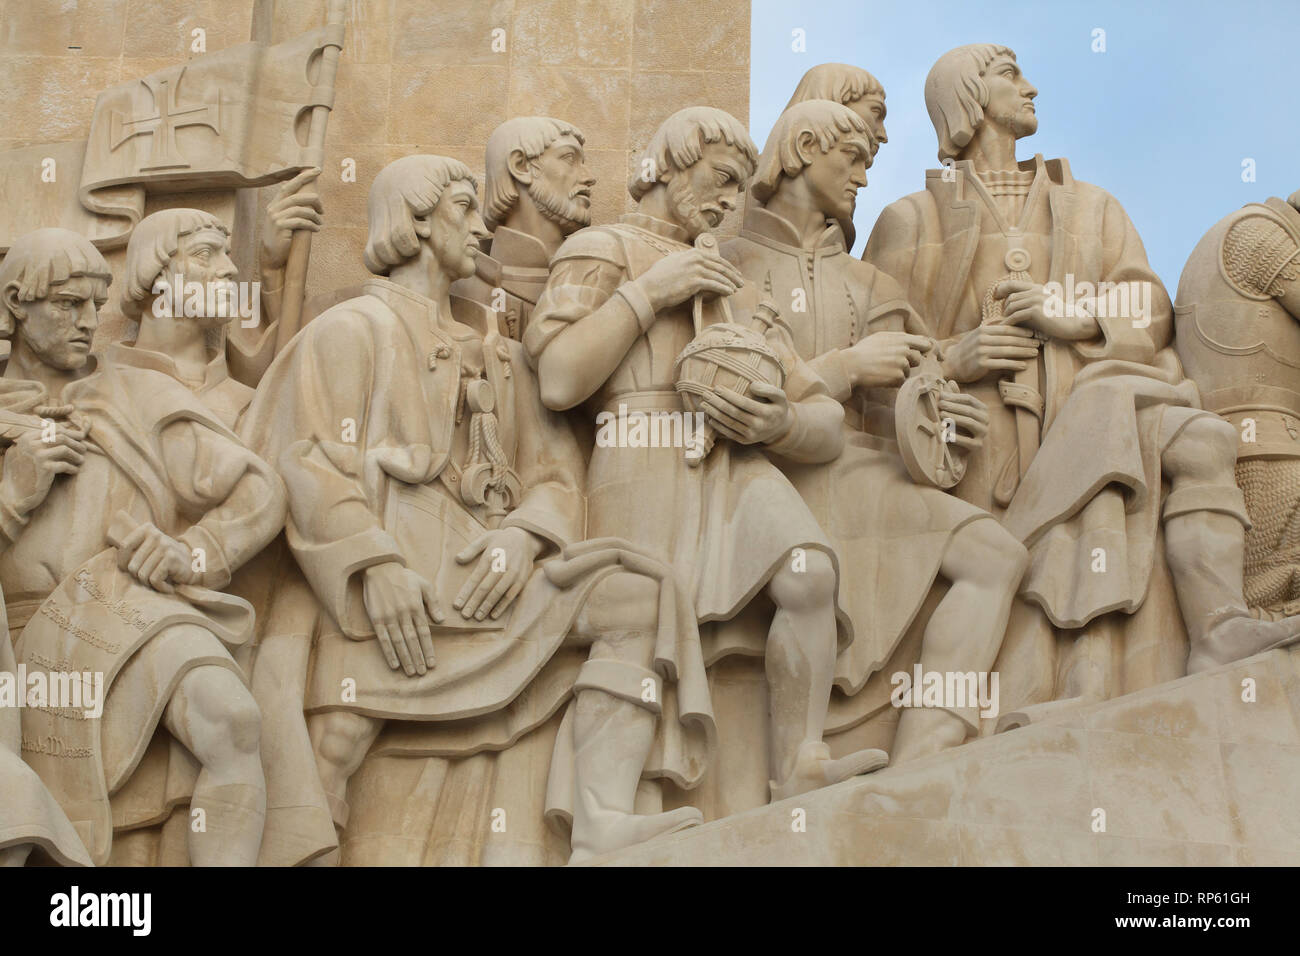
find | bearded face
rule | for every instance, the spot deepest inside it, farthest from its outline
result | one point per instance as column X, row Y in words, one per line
column 702, row 195
column 1011, row 97
column 561, row 185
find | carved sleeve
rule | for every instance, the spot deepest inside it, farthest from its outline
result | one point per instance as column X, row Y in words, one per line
column 312, row 420
column 551, row 470
column 817, row 433
column 583, row 325
column 1122, row 335
column 240, row 500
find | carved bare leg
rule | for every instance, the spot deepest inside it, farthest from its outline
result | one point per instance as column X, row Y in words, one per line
column 214, row 715
column 1205, row 541
column 340, row 741
column 618, row 701
column 985, row 564
column 800, row 664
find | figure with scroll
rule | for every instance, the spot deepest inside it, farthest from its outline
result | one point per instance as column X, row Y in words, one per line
column 126, row 505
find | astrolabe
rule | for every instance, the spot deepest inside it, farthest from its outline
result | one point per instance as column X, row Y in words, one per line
column 925, row 439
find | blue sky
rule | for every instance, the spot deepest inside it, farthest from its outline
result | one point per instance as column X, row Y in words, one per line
column 1162, row 120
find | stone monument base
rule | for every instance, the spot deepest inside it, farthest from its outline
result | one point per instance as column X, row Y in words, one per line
column 1193, row 772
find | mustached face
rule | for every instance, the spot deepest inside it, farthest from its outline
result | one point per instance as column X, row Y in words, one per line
column 561, row 184
column 703, row 194
column 456, row 229
column 1011, row 98
column 59, row 328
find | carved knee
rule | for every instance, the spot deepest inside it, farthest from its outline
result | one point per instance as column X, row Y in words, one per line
column 622, row 601
column 215, row 715
column 804, row 580
column 341, row 739
column 1205, row 452
column 992, row 556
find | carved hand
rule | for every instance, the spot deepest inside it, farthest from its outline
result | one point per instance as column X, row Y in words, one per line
column 989, row 348
column 506, row 558
column 400, row 603
column 291, row 209
column 155, row 559
column 1026, row 306
column 31, row 464
column 750, row 421
column 970, row 418
column 677, row 277
column 884, row 359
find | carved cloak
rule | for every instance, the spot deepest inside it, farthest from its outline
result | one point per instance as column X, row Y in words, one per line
column 930, row 242
column 166, row 459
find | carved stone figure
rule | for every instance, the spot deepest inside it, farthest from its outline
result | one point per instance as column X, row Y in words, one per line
column 1239, row 339
column 176, row 251
column 606, row 335
column 538, row 191
column 112, row 546
column 1007, row 262
column 892, row 536
column 431, row 493
column 173, row 256
column 861, row 92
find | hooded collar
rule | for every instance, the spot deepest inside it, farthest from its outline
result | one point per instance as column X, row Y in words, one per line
column 128, row 353
column 518, row 250
column 659, row 227
column 765, row 226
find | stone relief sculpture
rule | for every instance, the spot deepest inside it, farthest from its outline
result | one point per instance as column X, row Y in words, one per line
column 538, row 191
column 1236, row 315
column 857, row 331
column 605, row 528
column 616, row 314
column 430, row 486
column 113, row 546
column 1062, row 369
column 855, row 88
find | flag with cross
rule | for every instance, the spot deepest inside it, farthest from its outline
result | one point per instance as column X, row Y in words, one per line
column 228, row 119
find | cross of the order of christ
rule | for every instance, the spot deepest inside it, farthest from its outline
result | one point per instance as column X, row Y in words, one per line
column 162, row 127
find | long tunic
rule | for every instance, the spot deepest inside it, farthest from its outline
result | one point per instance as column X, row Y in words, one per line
column 166, row 460
column 725, row 525
column 947, row 246
column 890, row 533
column 362, row 408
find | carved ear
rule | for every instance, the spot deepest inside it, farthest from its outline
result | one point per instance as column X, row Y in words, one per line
column 520, row 166
column 805, row 145
column 13, row 311
column 159, row 281
column 423, row 225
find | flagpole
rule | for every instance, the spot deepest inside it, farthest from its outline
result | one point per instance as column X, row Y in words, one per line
column 295, row 269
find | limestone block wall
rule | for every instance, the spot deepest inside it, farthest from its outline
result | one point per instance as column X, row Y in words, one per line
column 415, row 76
